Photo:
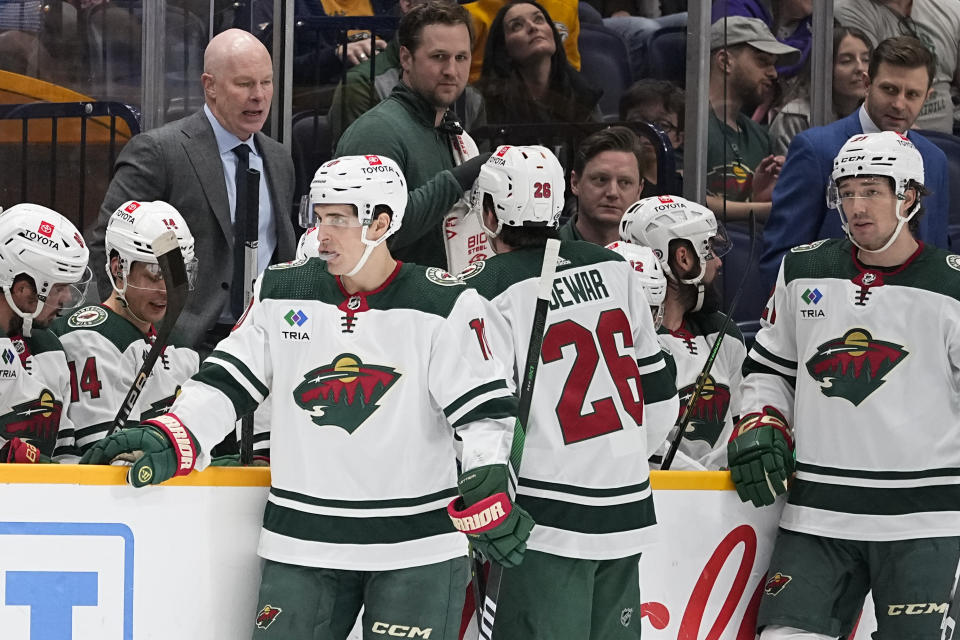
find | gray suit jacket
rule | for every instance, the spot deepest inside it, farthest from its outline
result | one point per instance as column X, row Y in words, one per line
column 179, row 163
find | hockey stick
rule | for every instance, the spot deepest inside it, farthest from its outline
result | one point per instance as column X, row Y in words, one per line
column 251, row 243
column 167, row 249
column 687, row 414
column 948, row 626
column 528, row 377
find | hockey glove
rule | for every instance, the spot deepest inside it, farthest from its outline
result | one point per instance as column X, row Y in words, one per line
column 466, row 173
column 761, row 457
column 495, row 525
column 22, row 452
column 160, row 449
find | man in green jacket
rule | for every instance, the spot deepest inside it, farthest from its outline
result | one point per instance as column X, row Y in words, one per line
column 410, row 126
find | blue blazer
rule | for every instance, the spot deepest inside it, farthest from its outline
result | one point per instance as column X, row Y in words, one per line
column 799, row 213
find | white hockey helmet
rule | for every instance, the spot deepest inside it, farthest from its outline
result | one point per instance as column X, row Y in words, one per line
column 364, row 182
column 650, row 272
column 308, row 247
column 41, row 243
column 654, row 222
column 526, row 185
column 888, row 154
column 131, row 230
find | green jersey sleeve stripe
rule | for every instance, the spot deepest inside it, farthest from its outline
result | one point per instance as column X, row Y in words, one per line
column 589, row 519
column 214, row 375
column 587, row 492
column 658, row 386
column 788, row 366
column 751, row 366
column 493, row 409
column 650, row 360
column 354, row 531
column 242, row 368
column 392, row 503
column 885, row 501
column 460, row 402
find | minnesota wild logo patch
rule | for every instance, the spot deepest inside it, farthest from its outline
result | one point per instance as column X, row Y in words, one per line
column 708, row 414
column 853, row 366
column 345, row 392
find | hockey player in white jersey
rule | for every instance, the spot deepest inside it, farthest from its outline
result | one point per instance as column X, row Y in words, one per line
column 687, row 239
column 377, row 376
column 602, row 393
column 43, row 270
column 106, row 343
column 856, row 370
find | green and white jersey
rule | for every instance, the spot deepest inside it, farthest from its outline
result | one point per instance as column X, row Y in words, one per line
column 104, row 354
column 603, row 397
column 711, row 423
column 864, row 363
column 372, row 395
column 35, row 393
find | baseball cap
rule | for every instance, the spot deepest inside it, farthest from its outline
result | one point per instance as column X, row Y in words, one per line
column 752, row 31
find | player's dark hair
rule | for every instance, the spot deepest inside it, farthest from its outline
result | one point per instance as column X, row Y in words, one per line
column 521, row 237
column 914, row 224
column 444, row 12
column 903, row 51
column 610, row 139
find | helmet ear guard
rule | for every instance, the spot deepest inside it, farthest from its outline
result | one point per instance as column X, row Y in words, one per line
column 649, row 272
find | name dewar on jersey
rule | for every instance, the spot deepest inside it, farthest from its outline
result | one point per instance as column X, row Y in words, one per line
column 577, row 288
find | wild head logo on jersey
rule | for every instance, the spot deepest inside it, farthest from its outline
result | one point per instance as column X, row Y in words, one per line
column 38, row 419
column 345, row 392
column 160, row 407
column 708, row 414
column 853, row 366
column 776, row 584
column 267, row 615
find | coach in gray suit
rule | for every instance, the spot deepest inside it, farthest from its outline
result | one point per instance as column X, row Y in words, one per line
column 192, row 164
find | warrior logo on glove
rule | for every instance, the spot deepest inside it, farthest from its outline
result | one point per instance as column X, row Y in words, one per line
column 853, row 366
column 345, row 392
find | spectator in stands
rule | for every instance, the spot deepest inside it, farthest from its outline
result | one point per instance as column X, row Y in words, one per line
column 659, row 102
column 936, row 23
column 565, row 18
column 526, row 76
column 194, row 164
column 741, row 171
column 317, row 56
column 353, row 98
column 789, row 20
column 635, row 21
column 411, row 127
column 899, row 78
column 851, row 56
column 606, row 179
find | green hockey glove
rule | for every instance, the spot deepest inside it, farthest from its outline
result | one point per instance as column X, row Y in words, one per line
column 761, row 457
column 497, row 526
column 160, row 449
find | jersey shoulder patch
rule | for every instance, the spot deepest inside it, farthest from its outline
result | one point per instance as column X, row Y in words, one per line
column 953, row 261
column 87, row 317
column 472, row 269
column 289, row 265
column 439, row 276
column 808, row 247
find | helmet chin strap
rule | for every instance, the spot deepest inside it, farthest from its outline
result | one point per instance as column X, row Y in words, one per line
column 368, row 249
column 893, row 236
column 26, row 317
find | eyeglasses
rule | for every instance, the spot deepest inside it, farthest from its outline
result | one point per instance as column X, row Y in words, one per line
column 666, row 126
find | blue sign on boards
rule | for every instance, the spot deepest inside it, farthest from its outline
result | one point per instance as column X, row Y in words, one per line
column 58, row 577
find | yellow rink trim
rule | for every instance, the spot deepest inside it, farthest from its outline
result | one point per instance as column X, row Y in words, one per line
column 260, row 477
